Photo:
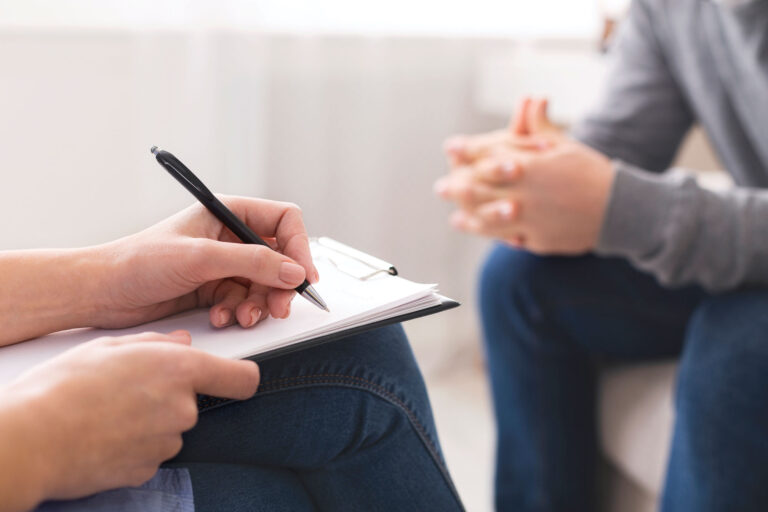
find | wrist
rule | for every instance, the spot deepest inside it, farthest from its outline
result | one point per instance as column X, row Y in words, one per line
column 98, row 267
column 82, row 289
column 49, row 290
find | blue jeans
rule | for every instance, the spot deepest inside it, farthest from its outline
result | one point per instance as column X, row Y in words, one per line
column 342, row 426
column 548, row 321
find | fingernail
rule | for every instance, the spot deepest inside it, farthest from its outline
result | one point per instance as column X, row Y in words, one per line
column 509, row 169
column 225, row 316
column 291, row 273
column 454, row 145
column 180, row 335
column 506, row 210
column 255, row 315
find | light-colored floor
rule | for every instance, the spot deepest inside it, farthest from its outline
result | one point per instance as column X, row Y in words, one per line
column 462, row 406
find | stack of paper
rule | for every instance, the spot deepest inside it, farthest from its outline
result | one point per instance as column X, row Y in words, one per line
column 358, row 289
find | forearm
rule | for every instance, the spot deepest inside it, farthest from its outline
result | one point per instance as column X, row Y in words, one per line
column 684, row 234
column 43, row 291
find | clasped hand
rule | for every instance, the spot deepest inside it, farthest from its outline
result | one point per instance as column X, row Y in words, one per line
column 530, row 185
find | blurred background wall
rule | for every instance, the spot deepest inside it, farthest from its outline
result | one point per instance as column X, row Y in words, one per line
column 339, row 106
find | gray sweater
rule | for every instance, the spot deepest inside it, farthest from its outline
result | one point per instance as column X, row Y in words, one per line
column 677, row 62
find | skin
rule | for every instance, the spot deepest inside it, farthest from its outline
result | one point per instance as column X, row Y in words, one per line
column 62, row 433
column 530, row 185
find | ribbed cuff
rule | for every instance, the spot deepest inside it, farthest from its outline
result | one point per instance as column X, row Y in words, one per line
column 639, row 208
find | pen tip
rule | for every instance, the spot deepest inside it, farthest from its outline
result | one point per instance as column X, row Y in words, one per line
column 153, row 150
column 312, row 296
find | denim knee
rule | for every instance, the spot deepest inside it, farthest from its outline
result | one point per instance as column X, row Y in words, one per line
column 724, row 369
column 510, row 276
column 518, row 295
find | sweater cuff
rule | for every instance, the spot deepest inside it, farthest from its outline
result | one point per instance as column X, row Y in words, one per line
column 639, row 209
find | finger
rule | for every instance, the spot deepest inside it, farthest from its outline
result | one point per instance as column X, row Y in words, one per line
column 466, row 191
column 527, row 143
column 227, row 297
column 496, row 171
column 283, row 221
column 480, row 146
column 496, row 220
column 538, row 118
column 489, row 145
column 180, row 336
column 254, row 308
column 248, row 313
column 226, row 378
column 518, row 124
column 496, row 215
column 280, row 303
column 214, row 260
column 453, row 147
column 518, row 242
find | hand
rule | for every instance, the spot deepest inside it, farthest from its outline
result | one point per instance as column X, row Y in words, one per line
column 191, row 260
column 554, row 202
column 107, row 413
column 548, row 197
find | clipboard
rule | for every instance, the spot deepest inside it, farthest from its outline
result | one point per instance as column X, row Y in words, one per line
column 363, row 292
column 370, row 267
column 362, row 267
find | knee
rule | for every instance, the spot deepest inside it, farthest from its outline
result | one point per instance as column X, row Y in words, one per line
column 517, row 286
column 725, row 361
column 383, row 355
column 507, row 273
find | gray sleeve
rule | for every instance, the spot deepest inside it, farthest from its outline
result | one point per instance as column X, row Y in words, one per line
column 666, row 224
column 683, row 234
column 642, row 115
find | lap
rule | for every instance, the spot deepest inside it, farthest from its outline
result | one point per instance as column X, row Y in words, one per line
column 608, row 308
column 603, row 306
column 247, row 488
column 342, row 416
column 375, row 365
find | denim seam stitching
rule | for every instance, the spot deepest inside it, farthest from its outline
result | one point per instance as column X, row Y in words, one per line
column 278, row 384
column 331, row 378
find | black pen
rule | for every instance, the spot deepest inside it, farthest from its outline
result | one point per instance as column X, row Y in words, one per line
column 192, row 183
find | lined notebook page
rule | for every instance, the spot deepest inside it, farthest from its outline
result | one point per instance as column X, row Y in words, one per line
column 352, row 301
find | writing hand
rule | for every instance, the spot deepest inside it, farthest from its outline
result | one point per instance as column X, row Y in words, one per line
column 191, row 260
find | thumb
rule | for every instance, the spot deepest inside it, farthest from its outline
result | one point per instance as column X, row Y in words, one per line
column 518, row 125
column 218, row 260
column 538, row 118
